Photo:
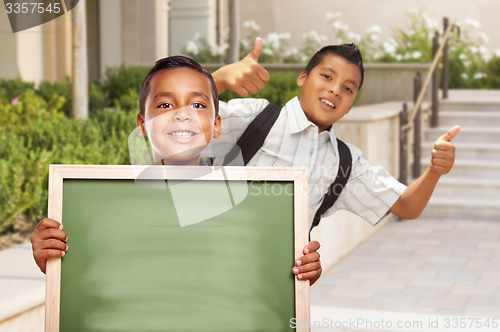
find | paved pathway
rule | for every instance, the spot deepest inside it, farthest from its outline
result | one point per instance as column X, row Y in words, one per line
column 422, row 270
column 22, row 285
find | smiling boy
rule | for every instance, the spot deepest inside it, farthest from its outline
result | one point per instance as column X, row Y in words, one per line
column 303, row 135
column 324, row 102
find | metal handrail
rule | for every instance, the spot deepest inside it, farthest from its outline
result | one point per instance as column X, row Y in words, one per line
column 411, row 120
column 413, row 113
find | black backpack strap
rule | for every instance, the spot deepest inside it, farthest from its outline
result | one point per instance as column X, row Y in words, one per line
column 345, row 166
column 254, row 136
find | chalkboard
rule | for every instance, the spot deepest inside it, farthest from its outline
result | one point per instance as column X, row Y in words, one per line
column 162, row 248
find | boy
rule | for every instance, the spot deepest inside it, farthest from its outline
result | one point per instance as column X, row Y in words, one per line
column 303, row 135
column 179, row 113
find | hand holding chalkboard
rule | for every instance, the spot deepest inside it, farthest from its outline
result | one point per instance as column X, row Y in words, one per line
column 48, row 240
column 309, row 265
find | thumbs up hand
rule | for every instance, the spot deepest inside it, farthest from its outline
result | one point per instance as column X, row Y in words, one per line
column 443, row 152
column 244, row 77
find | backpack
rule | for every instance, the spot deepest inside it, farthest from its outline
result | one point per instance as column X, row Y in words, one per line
column 253, row 138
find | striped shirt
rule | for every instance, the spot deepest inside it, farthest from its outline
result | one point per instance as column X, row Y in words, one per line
column 294, row 141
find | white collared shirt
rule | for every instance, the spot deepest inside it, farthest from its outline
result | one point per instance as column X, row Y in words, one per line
column 294, row 141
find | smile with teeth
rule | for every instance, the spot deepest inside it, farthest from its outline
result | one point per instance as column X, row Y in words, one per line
column 328, row 103
column 182, row 134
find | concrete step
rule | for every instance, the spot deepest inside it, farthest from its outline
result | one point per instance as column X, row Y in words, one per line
column 466, row 135
column 469, row 151
column 486, row 170
column 469, row 105
column 462, row 208
column 472, row 188
column 468, row 119
column 468, row 188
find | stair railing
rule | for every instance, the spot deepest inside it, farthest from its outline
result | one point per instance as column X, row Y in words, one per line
column 411, row 120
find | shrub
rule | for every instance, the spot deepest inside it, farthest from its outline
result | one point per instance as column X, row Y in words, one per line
column 280, row 88
column 98, row 98
column 493, row 70
column 35, row 133
column 49, row 91
column 10, row 89
column 119, row 81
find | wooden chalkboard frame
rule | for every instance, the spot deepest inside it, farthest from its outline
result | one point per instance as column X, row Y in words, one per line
column 58, row 173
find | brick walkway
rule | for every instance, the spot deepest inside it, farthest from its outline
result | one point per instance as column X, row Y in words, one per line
column 423, row 268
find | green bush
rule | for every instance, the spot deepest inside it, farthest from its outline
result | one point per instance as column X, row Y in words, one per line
column 128, row 101
column 119, row 81
column 10, row 89
column 280, row 88
column 120, row 88
column 98, row 99
column 493, row 71
column 35, row 133
column 49, row 91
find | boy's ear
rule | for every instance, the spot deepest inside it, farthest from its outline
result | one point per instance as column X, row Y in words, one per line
column 301, row 79
column 141, row 130
column 217, row 127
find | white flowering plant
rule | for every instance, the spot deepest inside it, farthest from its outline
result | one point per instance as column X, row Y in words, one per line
column 409, row 44
column 205, row 52
column 469, row 57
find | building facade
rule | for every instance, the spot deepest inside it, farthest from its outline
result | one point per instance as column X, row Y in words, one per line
column 137, row 32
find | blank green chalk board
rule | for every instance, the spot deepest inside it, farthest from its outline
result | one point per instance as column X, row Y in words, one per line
column 179, row 251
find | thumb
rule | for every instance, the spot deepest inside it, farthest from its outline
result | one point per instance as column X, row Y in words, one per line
column 257, row 48
column 450, row 134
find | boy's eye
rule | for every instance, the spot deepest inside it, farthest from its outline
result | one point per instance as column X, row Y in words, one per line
column 348, row 89
column 165, row 105
column 197, row 105
column 328, row 77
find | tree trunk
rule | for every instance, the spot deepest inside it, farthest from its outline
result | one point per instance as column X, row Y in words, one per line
column 80, row 100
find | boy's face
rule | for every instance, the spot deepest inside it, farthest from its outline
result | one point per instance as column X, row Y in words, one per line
column 179, row 116
column 329, row 90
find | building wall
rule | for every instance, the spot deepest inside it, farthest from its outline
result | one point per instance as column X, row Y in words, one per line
column 298, row 17
column 8, row 57
column 110, row 41
column 93, row 35
column 138, row 32
column 130, row 32
column 190, row 18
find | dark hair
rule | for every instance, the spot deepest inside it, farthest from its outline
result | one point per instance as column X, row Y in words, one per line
column 350, row 52
column 173, row 62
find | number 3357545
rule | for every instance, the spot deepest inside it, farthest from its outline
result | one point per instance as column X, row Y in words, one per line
column 32, row 8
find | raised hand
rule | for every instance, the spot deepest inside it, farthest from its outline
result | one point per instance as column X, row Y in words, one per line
column 443, row 152
column 244, row 77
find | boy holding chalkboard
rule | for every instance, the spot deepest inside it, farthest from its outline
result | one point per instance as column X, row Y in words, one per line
column 179, row 114
column 303, row 135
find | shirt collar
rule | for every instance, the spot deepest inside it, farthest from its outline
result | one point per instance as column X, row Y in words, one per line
column 297, row 120
column 333, row 136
